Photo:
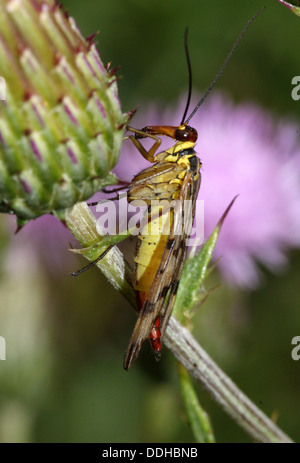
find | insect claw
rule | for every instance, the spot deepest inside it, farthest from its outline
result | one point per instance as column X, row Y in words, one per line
column 138, row 136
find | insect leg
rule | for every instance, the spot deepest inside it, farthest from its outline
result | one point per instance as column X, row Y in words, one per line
column 91, row 264
column 114, row 190
column 95, row 203
column 148, row 155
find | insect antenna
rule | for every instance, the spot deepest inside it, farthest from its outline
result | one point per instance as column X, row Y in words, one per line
column 189, row 73
column 205, row 95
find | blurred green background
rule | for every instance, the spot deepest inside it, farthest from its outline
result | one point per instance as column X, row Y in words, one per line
column 63, row 379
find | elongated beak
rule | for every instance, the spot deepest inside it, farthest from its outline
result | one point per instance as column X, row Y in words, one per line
column 168, row 130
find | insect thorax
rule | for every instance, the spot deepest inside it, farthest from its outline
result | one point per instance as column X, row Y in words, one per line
column 176, row 152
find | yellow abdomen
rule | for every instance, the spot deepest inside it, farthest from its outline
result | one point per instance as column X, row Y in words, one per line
column 152, row 242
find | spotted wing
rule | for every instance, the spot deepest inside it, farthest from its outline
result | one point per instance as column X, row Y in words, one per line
column 167, row 276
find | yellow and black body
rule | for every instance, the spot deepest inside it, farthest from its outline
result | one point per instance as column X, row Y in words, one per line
column 161, row 246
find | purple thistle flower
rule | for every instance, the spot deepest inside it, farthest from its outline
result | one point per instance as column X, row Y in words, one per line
column 244, row 151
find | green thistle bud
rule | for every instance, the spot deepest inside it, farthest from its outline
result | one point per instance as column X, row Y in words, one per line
column 61, row 124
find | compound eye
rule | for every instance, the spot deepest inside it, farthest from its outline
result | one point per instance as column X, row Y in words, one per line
column 182, row 134
column 186, row 134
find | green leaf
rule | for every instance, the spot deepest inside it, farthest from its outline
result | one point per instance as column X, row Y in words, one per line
column 93, row 251
column 195, row 272
column 197, row 416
